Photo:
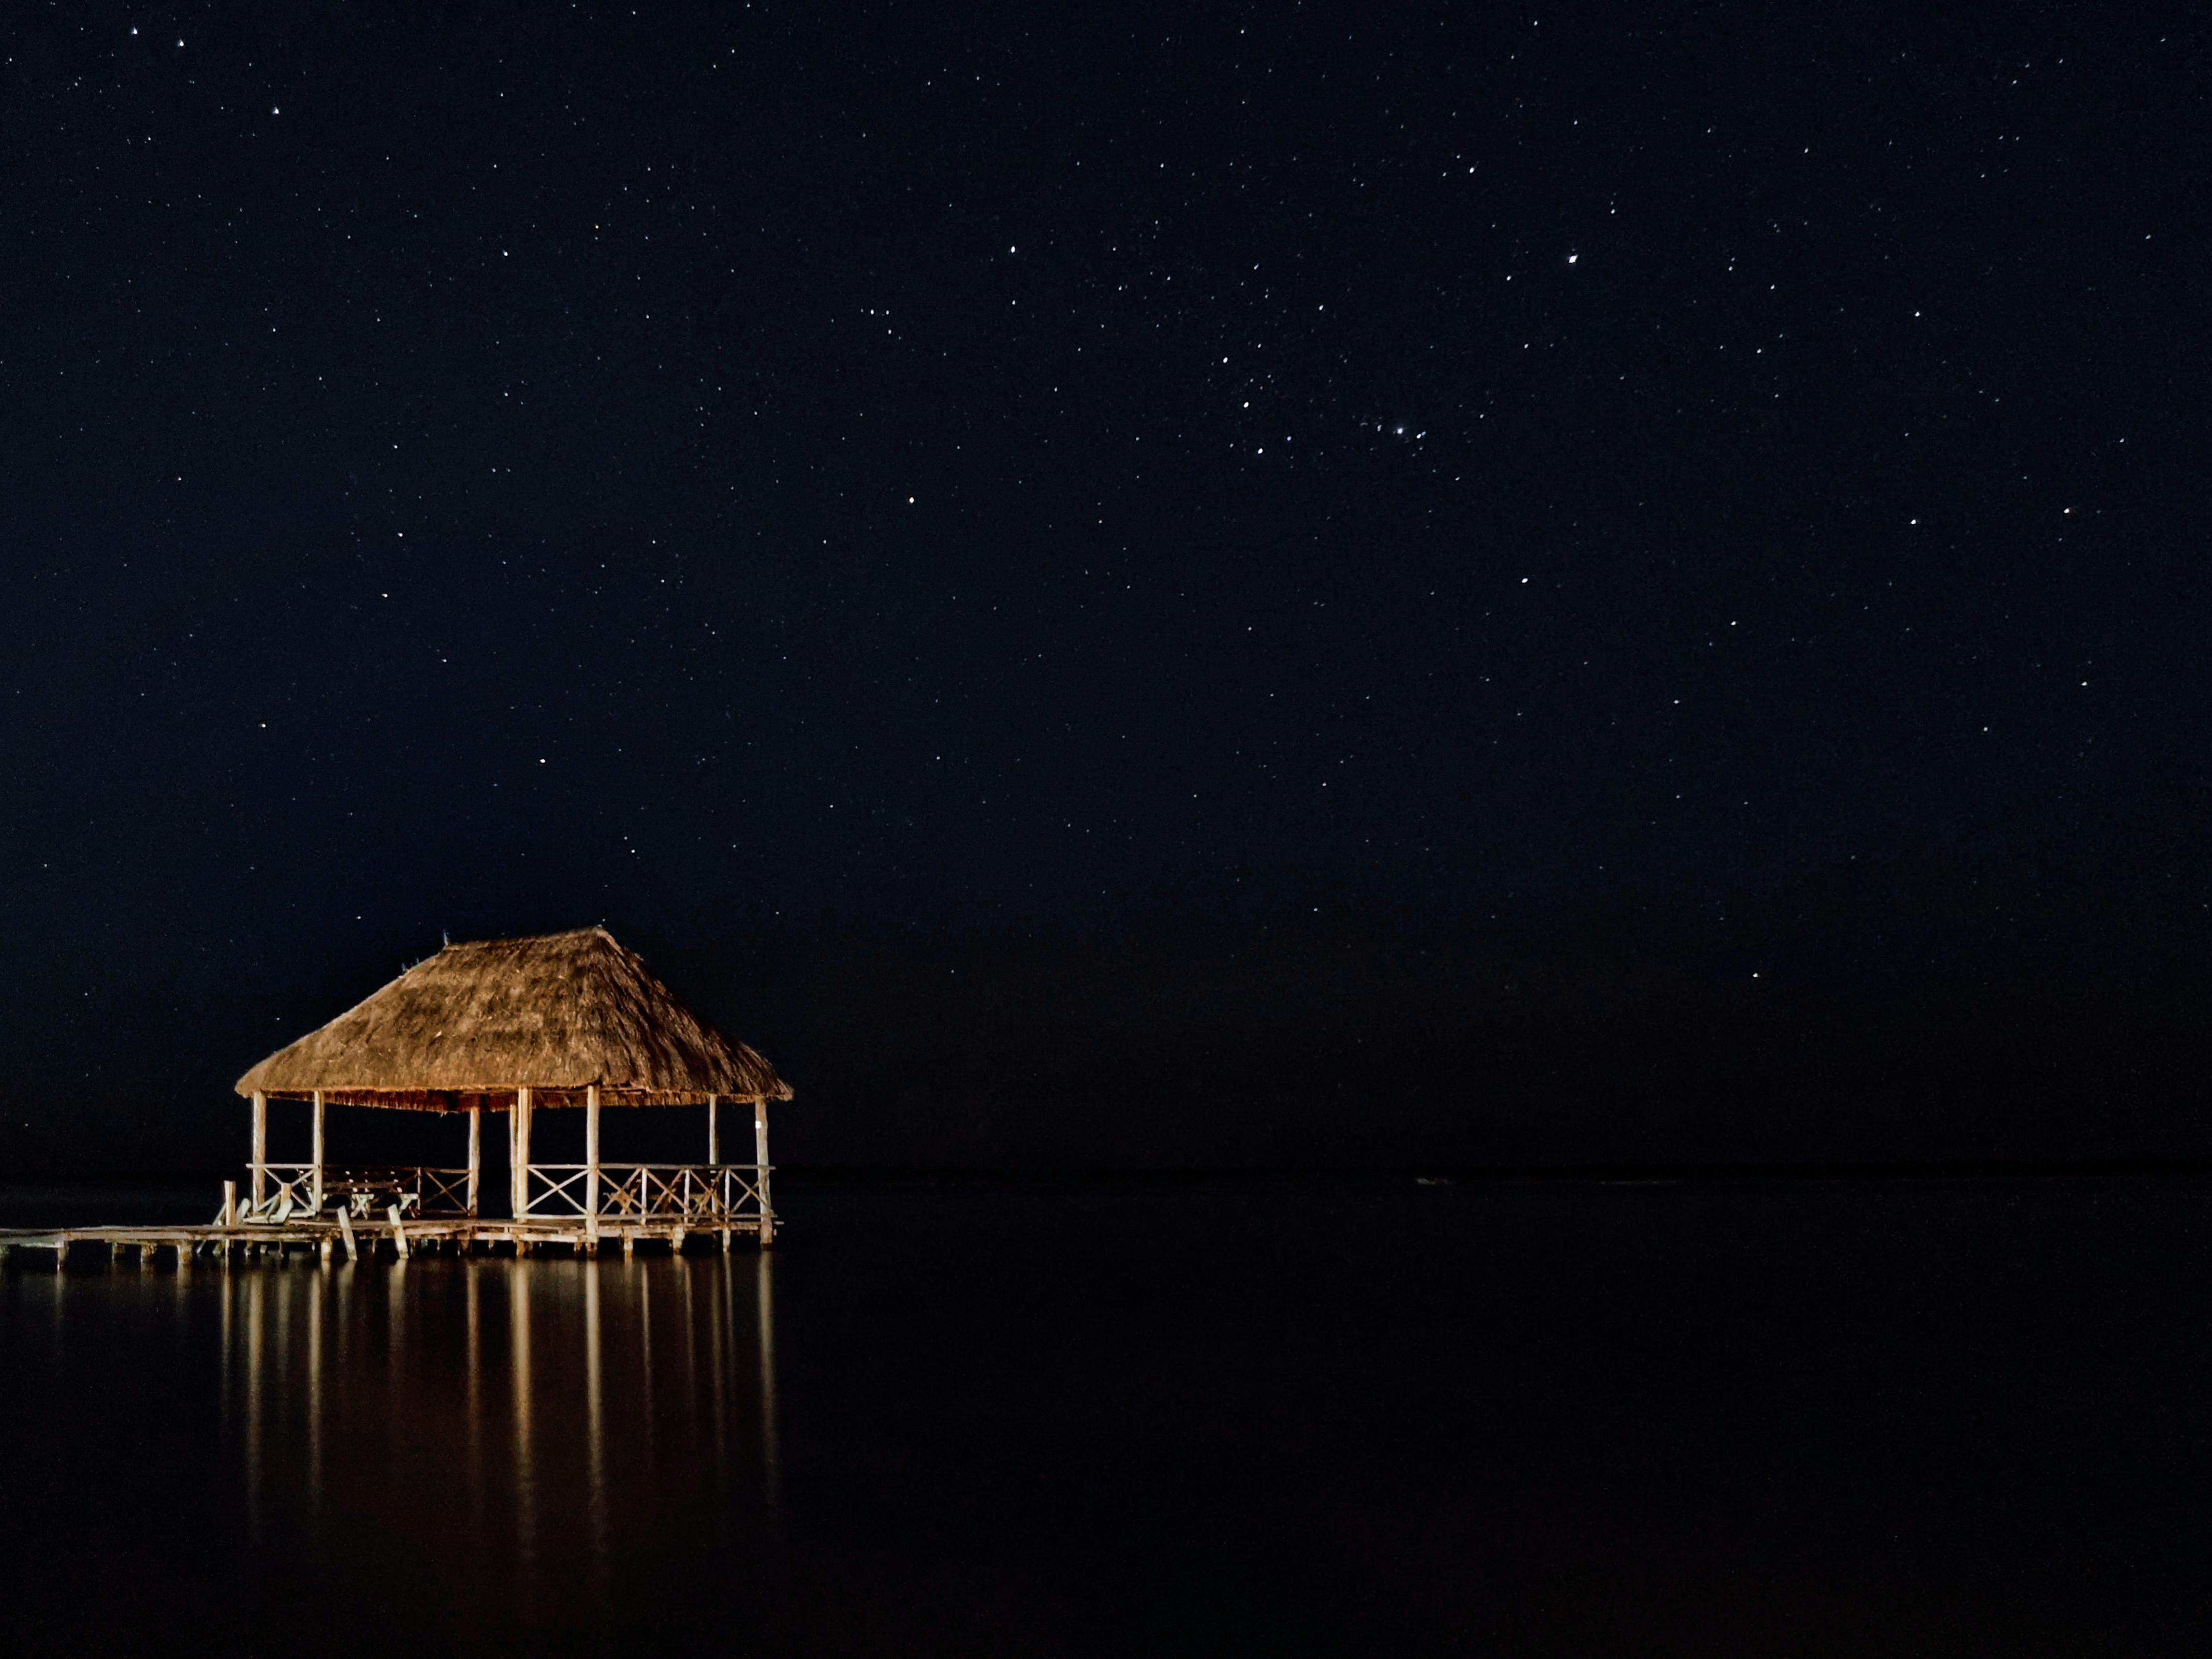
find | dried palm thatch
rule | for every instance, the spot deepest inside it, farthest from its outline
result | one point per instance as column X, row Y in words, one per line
column 553, row 1014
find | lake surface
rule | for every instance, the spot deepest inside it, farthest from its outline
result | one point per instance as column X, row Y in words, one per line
column 1225, row 1417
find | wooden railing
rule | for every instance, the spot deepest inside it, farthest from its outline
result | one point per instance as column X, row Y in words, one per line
column 704, row 1195
column 416, row 1187
column 289, row 1190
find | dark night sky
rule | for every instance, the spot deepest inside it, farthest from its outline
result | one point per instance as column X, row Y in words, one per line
column 486, row 469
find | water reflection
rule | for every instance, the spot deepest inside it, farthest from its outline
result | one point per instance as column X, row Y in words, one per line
column 764, row 1329
column 487, row 1424
column 595, row 1479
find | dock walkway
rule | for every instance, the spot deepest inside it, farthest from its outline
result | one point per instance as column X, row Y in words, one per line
column 363, row 1239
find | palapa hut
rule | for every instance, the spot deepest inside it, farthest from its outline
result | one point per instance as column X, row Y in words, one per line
column 515, row 1026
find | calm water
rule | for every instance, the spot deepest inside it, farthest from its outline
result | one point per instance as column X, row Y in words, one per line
column 1233, row 1418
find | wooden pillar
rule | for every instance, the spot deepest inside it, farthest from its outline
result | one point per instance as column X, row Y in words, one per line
column 230, row 1204
column 261, row 1147
column 760, row 1171
column 713, row 1130
column 591, row 1162
column 476, row 1154
column 522, row 1152
column 315, row 1181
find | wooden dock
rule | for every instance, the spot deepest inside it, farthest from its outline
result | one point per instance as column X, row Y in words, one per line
column 344, row 1237
column 570, row 1020
column 589, row 1027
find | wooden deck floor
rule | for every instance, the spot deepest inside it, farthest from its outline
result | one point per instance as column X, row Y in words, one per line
column 360, row 1240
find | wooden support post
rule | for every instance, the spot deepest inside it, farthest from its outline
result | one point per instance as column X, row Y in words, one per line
column 398, row 1232
column 261, row 1147
column 61, row 1253
column 592, row 1165
column 326, row 1252
column 345, row 1226
column 760, row 1171
column 713, row 1130
column 230, row 1204
column 630, row 1245
column 476, row 1154
column 522, row 1161
column 315, row 1179
column 185, row 1248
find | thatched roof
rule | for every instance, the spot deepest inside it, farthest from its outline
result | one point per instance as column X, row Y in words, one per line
column 553, row 1014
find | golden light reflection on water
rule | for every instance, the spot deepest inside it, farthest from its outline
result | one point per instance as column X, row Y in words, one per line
column 496, row 1428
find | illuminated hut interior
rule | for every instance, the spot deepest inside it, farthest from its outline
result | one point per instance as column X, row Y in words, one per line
column 513, row 1027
